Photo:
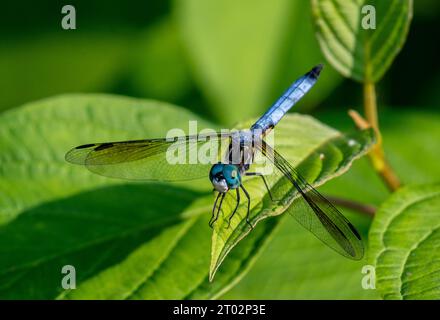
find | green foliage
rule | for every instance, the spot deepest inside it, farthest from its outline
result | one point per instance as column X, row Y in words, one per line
column 244, row 53
column 404, row 238
column 54, row 213
column 126, row 240
column 361, row 54
column 33, row 69
column 160, row 52
column 409, row 136
column 294, row 265
column 123, row 238
column 321, row 154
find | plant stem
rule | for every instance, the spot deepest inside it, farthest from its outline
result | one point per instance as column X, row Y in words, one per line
column 377, row 155
column 370, row 105
column 353, row 205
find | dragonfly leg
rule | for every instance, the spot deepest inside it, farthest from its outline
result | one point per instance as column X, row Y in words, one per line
column 218, row 211
column 211, row 221
column 248, row 206
column 258, row 174
column 236, row 207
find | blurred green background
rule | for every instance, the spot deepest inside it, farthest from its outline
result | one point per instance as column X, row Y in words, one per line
column 225, row 60
column 228, row 61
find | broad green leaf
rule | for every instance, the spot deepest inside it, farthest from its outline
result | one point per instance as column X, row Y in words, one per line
column 295, row 265
column 322, row 153
column 35, row 138
column 126, row 240
column 246, row 53
column 291, row 266
column 356, row 52
column 404, row 239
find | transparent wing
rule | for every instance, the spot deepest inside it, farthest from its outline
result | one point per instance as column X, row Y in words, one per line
column 312, row 210
column 181, row 158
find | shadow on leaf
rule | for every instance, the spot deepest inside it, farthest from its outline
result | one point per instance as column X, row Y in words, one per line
column 91, row 231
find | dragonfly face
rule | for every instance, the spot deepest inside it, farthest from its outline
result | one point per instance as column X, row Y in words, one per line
column 225, row 177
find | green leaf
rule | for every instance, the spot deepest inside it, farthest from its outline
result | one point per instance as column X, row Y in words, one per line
column 126, row 240
column 36, row 136
column 404, row 238
column 295, row 265
column 245, row 53
column 321, row 154
column 291, row 265
column 123, row 239
column 361, row 54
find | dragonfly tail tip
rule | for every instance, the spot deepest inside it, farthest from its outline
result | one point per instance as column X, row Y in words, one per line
column 317, row 70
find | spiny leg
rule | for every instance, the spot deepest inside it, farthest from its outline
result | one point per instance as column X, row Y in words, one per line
column 248, row 206
column 258, row 174
column 219, row 208
column 236, row 207
column 211, row 221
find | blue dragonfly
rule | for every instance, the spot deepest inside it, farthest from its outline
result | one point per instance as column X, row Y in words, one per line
column 147, row 160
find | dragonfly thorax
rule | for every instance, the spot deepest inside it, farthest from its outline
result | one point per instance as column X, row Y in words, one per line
column 225, row 177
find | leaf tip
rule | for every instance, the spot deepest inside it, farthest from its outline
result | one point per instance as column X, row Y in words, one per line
column 212, row 273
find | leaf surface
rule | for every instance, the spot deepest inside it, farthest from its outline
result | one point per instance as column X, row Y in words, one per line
column 404, row 242
column 350, row 45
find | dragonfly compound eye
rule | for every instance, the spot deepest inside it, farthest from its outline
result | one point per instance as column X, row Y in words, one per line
column 232, row 176
column 216, row 171
column 217, row 178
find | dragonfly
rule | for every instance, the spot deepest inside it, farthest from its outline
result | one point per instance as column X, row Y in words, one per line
column 147, row 160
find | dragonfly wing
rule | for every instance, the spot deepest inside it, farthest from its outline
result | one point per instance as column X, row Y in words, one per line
column 314, row 212
column 178, row 159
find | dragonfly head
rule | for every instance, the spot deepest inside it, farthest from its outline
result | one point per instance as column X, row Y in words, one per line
column 224, row 177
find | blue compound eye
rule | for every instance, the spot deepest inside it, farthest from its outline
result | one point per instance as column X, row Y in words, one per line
column 232, row 176
column 215, row 170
